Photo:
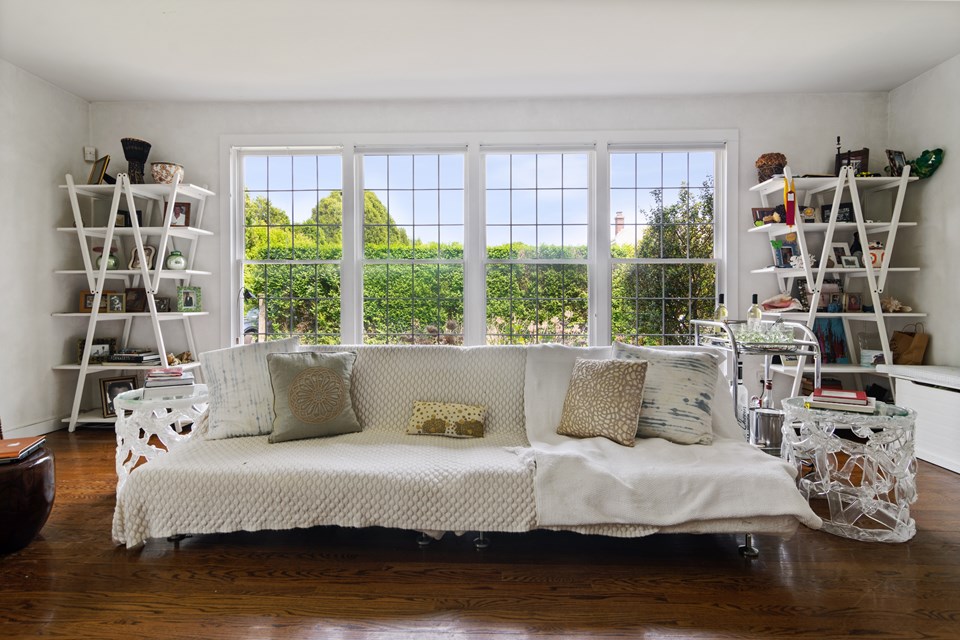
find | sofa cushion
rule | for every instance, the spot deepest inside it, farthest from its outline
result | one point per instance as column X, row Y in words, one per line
column 241, row 398
column 678, row 398
column 604, row 399
column 447, row 419
column 311, row 395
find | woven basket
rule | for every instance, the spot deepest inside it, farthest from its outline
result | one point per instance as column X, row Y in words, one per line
column 769, row 165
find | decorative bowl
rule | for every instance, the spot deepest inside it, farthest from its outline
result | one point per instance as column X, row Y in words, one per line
column 165, row 172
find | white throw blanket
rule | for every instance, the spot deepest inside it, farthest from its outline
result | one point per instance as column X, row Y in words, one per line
column 658, row 483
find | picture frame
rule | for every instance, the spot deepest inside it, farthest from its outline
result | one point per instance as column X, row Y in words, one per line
column 839, row 249
column 761, row 214
column 124, row 219
column 850, row 262
column 101, row 349
column 162, row 304
column 852, row 302
column 809, row 214
column 98, row 170
column 136, row 301
column 110, row 388
column 149, row 251
column 789, row 360
column 189, row 299
column 116, row 302
column 783, row 255
column 844, row 212
column 181, row 214
column 86, row 301
column 830, row 286
column 897, row 161
column 859, row 160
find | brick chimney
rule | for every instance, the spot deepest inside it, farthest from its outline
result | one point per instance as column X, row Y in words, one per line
column 618, row 221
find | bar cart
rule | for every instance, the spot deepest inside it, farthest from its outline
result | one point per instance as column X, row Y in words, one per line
column 762, row 426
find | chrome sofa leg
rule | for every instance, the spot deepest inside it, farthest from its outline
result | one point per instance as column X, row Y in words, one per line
column 747, row 550
column 423, row 540
column 481, row 542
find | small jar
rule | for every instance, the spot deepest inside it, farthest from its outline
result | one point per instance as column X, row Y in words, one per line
column 111, row 261
column 176, row 261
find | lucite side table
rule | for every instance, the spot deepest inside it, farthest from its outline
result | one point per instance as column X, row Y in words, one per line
column 862, row 486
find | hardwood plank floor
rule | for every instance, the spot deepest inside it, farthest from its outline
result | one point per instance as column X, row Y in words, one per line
column 72, row 582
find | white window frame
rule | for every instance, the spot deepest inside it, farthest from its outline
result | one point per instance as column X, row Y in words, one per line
column 351, row 281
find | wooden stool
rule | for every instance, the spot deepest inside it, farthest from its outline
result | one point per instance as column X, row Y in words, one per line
column 27, row 490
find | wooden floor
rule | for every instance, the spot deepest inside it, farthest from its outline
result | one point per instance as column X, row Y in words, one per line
column 72, row 582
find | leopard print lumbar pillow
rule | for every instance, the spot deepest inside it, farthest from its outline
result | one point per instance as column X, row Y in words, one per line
column 447, row 419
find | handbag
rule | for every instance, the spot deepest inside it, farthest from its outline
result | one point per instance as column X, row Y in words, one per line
column 909, row 345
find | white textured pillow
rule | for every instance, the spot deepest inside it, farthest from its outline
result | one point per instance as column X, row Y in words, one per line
column 241, row 397
column 678, row 395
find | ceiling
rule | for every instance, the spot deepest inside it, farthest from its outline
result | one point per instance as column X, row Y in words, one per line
column 292, row 50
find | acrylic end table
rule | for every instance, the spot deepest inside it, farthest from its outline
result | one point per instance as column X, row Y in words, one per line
column 861, row 487
column 142, row 425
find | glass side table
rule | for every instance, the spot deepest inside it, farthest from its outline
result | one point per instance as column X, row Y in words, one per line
column 142, row 425
column 862, row 487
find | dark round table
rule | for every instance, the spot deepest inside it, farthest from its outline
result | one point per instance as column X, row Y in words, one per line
column 27, row 490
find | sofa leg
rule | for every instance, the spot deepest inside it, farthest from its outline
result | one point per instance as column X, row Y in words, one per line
column 481, row 542
column 423, row 540
column 175, row 539
column 747, row 550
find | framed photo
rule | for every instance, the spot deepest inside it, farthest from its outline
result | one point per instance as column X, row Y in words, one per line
column 830, row 286
column 762, row 216
column 897, row 162
column 100, row 349
column 116, row 302
column 110, row 388
column 86, row 301
column 123, row 219
column 844, row 212
column 850, row 262
column 98, row 170
column 162, row 304
column 809, row 214
column 783, row 256
column 852, row 302
column 188, row 299
column 136, row 300
column 839, row 249
column 856, row 159
column 151, row 253
column 181, row 214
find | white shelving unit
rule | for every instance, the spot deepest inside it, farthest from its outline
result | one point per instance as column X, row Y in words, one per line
column 156, row 203
column 814, row 192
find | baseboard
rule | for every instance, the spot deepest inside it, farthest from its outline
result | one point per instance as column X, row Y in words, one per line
column 36, row 429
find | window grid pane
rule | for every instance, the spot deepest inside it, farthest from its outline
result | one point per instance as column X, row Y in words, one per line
column 293, row 210
column 662, row 208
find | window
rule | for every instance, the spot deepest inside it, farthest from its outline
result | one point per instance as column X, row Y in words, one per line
column 292, row 208
column 537, row 261
column 413, row 236
column 664, row 263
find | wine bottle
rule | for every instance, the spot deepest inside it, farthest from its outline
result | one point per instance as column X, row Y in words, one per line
column 754, row 314
column 720, row 314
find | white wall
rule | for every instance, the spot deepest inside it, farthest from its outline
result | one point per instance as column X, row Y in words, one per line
column 923, row 114
column 42, row 133
column 804, row 127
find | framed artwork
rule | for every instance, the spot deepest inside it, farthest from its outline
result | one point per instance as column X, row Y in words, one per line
column 151, row 253
column 124, row 220
column 844, row 212
column 839, row 249
column 783, row 256
column 162, row 304
column 830, row 286
column 98, row 170
column 110, row 388
column 897, row 162
column 136, row 300
column 100, row 349
column 850, row 262
column 809, row 214
column 856, row 159
column 852, row 302
column 762, row 216
column 116, row 302
column 86, row 301
column 188, row 299
column 181, row 214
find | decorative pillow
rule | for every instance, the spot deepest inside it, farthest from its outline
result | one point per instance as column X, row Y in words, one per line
column 604, row 399
column 241, row 399
column 311, row 395
column 678, row 400
column 447, row 419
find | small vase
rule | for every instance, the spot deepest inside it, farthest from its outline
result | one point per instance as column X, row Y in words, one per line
column 176, row 261
column 111, row 262
column 136, row 152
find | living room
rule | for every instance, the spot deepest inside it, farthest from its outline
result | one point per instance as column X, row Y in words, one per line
column 751, row 78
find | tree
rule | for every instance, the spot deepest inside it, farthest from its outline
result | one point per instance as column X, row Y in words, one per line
column 329, row 214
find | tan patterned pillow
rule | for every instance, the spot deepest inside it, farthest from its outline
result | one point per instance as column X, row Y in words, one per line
column 604, row 399
column 447, row 419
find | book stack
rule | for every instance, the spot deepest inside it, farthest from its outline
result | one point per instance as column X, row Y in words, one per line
column 128, row 357
column 168, row 383
column 840, row 400
column 16, row 449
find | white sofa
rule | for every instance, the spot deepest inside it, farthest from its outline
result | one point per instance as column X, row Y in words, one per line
column 518, row 477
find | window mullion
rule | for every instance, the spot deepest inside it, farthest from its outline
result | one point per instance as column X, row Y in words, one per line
column 351, row 275
column 474, row 252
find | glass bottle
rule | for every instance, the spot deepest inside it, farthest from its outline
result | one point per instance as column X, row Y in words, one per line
column 176, row 261
column 112, row 261
column 720, row 314
column 766, row 396
column 754, row 315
